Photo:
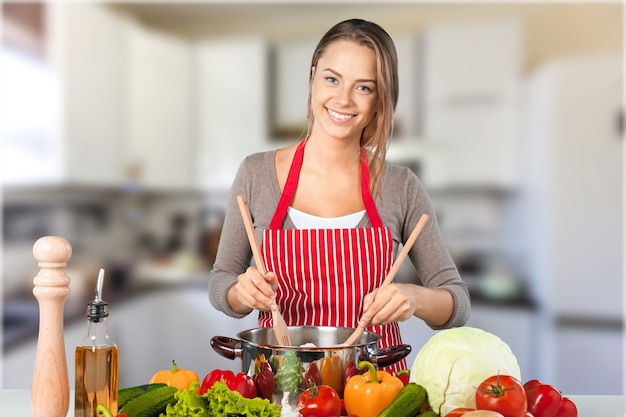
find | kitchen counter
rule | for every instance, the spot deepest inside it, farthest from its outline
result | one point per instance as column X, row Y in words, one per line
column 17, row 403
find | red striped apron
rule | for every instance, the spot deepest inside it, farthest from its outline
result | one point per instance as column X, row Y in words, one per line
column 323, row 274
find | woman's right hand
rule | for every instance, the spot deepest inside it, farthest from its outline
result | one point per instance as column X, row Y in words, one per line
column 253, row 291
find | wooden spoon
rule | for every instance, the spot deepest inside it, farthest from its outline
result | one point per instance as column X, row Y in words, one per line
column 356, row 335
column 280, row 326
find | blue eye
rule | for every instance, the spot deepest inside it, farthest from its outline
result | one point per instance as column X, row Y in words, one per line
column 365, row 89
column 331, row 80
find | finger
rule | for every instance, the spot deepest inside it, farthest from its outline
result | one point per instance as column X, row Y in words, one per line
column 246, row 299
column 272, row 280
column 391, row 305
column 260, row 282
column 255, row 291
column 368, row 300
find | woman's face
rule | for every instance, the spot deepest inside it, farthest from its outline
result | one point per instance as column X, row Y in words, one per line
column 343, row 90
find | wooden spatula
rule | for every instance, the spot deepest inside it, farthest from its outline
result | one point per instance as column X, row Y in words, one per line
column 280, row 327
column 356, row 335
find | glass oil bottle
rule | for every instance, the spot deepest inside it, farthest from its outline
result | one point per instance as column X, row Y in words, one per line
column 96, row 361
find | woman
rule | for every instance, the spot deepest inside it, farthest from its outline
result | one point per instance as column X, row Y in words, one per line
column 330, row 213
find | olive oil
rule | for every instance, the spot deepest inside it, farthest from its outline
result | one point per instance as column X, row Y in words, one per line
column 96, row 379
column 96, row 361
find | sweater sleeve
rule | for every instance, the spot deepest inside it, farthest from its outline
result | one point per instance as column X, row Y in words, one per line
column 256, row 181
column 404, row 199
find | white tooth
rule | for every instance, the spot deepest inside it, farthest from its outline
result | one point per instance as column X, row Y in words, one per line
column 339, row 116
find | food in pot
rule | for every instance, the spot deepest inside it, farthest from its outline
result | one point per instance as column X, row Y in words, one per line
column 288, row 373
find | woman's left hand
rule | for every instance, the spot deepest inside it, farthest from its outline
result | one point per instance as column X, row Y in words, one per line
column 388, row 304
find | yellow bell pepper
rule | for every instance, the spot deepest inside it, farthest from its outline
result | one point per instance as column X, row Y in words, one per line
column 368, row 394
column 175, row 377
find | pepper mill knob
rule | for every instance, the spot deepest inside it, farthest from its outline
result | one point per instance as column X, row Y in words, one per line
column 50, row 393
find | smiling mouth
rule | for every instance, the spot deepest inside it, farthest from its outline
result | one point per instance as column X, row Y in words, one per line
column 339, row 117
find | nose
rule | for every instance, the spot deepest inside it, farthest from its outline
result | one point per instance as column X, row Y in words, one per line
column 344, row 95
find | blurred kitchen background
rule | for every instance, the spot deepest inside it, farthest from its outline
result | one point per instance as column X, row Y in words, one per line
column 123, row 125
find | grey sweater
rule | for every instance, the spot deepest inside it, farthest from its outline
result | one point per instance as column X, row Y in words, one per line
column 402, row 201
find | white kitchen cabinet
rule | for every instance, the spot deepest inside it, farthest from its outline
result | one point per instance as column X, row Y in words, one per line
column 471, row 103
column 576, row 373
column 159, row 119
column 232, row 116
column 87, row 44
column 116, row 96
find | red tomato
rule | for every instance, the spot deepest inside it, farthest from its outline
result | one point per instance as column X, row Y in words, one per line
column 319, row 401
column 502, row 393
column 458, row 412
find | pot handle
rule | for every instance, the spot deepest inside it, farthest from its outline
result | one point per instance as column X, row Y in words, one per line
column 227, row 346
column 392, row 354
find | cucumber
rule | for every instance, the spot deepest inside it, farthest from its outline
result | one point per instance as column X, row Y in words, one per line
column 124, row 395
column 407, row 403
column 151, row 403
column 429, row 413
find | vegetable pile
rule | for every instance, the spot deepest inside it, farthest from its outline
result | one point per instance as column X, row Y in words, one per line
column 472, row 373
column 505, row 396
column 464, row 372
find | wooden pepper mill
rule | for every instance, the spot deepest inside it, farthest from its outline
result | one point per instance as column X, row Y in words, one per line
column 50, row 393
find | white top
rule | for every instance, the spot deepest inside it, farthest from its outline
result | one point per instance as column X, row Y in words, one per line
column 304, row 220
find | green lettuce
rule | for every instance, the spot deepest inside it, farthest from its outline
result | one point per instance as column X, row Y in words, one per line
column 219, row 401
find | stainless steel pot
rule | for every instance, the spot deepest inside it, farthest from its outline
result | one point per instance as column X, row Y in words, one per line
column 251, row 345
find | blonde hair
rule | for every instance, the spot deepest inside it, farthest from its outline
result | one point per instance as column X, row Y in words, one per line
column 376, row 135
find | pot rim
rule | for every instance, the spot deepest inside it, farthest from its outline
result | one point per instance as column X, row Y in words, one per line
column 366, row 334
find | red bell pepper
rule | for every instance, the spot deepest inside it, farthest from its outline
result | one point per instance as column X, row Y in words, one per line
column 264, row 380
column 241, row 382
column 546, row 401
column 404, row 376
column 312, row 373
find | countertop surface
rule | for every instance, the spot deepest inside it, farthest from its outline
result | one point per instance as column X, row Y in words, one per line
column 17, row 403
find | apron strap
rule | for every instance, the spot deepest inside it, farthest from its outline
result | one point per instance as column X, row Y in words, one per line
column 292, row 183
column 366, row 194
column 290, row 188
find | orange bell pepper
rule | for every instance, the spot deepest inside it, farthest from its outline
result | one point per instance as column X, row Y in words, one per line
column 175, row 377
column 368, row 394
column 332, row 372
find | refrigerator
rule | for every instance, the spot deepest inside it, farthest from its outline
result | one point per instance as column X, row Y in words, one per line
column 565, row 222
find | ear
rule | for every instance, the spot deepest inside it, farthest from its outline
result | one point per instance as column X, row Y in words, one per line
column 312, row 72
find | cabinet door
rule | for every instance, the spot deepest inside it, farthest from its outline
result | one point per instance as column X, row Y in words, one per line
column 408, row 111
column 232, row 106
column 291, row 60
column 89, row 44
column 471, row 76
column 160, row 141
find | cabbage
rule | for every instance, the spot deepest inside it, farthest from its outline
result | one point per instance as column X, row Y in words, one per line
column 455, row 361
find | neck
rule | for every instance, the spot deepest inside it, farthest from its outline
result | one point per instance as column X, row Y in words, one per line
column 331, row 154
